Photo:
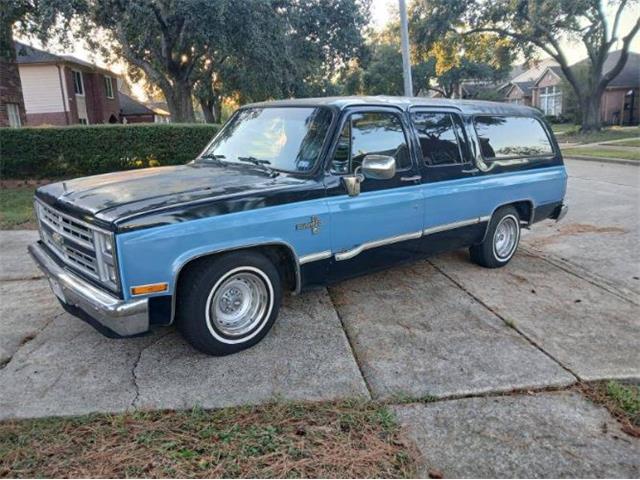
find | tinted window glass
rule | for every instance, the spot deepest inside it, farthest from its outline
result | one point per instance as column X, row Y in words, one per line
column 283, row 138
column 441, row 137
column 504, row 137
column 370, row 133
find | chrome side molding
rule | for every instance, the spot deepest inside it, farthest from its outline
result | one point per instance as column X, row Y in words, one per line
column 458, row 224
column 353, row 252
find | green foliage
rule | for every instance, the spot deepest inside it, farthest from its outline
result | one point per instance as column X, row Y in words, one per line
column 85, row 150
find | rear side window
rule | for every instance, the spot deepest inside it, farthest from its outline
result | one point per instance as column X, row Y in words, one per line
column 441, row 137
column 511, row 137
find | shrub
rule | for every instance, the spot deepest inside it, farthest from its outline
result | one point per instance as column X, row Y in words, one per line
column 55, row 152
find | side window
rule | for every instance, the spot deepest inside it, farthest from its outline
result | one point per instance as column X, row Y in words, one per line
column 370, row 133
column 441, row 136
column 511, row 137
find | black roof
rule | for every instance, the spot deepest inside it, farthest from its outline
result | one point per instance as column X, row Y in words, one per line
column 404, row 103
column 526, row 86
column 129, row 106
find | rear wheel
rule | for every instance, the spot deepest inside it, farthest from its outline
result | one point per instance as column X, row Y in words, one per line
column 501, row 241
column 229, row 303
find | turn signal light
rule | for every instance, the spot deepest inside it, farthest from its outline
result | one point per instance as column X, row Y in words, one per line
column 151, row 288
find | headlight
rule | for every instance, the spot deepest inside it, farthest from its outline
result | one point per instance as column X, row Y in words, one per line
column 105, row 254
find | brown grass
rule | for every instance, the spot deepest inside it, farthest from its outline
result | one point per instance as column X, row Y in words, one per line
column 349, row 439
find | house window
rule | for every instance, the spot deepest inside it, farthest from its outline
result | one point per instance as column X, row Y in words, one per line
column 551, row 100
column 108, row 86
column 13, row 112
column 78, row 84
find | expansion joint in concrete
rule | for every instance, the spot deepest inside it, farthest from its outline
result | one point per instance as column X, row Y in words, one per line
column 507, row 322
column 350, row 342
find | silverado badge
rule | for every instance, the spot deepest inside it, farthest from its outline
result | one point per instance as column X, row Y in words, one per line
column 313, row 225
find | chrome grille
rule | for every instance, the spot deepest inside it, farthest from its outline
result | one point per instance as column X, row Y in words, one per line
column 75, row 243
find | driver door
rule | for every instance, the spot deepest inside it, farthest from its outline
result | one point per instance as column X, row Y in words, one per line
column 379, row 226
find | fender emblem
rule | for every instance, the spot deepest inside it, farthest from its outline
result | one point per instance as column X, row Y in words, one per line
column 313, row 225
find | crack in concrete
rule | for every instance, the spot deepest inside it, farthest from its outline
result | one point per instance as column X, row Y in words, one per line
column 134, row 375
column 583, row 274
column 22, row 279
column 30, row 338
column 508, row 323
column 350, row 342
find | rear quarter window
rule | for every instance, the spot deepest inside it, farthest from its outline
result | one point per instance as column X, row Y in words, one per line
column 504, row 137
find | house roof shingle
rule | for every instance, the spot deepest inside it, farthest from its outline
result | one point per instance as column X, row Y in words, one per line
column 630, row 74
column 129, row 106
column 26, row 55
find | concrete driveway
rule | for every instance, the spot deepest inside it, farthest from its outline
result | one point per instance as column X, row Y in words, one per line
column 567, row 308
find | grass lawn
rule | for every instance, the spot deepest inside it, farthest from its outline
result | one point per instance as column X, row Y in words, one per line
column 16, row 208
column 602, row 152
column 343, row 440
column 562, row 128
column 629, row 143
column 611, row 133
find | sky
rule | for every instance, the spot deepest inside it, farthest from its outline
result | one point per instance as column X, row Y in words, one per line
column 382, row 11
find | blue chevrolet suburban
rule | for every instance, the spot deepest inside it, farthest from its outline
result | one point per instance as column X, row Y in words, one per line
column 290, row 195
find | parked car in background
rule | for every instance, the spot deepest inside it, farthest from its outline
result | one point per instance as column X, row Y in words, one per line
column 289, row 195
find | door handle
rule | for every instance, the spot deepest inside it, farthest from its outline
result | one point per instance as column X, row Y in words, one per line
column 414, row 178
column 473, row 170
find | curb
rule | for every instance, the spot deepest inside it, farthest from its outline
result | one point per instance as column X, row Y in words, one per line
column 620, row 161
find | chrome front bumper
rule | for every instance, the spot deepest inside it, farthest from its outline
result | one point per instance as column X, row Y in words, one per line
column 124, row 318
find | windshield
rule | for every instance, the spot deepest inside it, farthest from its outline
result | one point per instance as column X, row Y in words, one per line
column 279, row 138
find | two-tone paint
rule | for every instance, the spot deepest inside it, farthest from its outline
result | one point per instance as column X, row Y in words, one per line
column 165, row 218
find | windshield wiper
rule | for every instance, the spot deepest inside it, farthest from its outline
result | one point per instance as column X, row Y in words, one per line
column 211, row 156
column 260, row 163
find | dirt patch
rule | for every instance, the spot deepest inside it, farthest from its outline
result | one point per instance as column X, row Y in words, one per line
column 578, row 229
column 334, row 440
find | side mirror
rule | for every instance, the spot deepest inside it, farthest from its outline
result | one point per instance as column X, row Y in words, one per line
column 379, row 167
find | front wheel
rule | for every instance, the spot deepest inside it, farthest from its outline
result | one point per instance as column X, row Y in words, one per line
column 229, row 303
column 501, row 240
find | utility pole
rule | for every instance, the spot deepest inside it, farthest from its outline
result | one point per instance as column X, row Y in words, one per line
column 406, row 61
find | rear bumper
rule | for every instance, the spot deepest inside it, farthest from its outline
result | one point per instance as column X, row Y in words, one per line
column 100, row 309
column 560, row 212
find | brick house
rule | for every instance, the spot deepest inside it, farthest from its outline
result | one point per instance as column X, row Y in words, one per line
column 620, row 104
column 12, row 112
column 133, row 111
column 64, row 90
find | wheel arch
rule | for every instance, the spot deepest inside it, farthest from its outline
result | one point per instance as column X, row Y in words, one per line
column 524, row 207
column 280, row 253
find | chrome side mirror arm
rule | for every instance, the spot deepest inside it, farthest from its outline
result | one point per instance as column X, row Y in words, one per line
column 352, row 182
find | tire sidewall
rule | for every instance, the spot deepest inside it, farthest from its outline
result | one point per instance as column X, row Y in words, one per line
column 194, row 322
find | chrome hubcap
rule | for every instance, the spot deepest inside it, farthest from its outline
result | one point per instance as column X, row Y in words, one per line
column 505, row 238
column 238, row 304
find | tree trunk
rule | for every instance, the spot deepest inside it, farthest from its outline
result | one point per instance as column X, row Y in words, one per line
column 207, row 111
column 591, row 112
column 10, row 84
column 211, row 109
column 180, row 103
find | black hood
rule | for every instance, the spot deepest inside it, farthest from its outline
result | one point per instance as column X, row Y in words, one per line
column 116, row 198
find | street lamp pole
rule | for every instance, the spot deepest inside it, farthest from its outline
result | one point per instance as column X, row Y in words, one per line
column 406, row 62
